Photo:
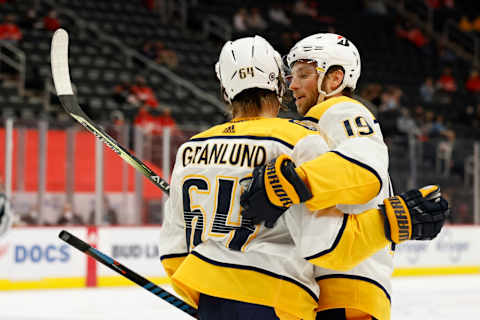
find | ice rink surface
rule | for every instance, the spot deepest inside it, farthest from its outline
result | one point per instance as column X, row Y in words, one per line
column 418, row 298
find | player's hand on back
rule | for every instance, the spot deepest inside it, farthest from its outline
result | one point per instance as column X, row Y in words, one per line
column 271, row 190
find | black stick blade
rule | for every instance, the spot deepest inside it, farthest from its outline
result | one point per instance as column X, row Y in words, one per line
column 74, row 241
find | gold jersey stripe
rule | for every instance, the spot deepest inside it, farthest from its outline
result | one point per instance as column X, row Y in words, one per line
column 362, row 236
column 283, row 130
column 355, row 294
column 317, row 111
column 170, row 264
column 245, row 285
column 334, row 179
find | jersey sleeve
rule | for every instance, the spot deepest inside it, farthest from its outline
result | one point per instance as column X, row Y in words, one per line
column 334, row 240
column 343, row 119
column 173, row 245
column 372, row 156
column 309, row 148
column 355, row 169
column 335, row 179
column 329, row 238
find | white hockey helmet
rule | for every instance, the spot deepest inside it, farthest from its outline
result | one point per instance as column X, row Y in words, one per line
column 249, row 62
column 327, row 50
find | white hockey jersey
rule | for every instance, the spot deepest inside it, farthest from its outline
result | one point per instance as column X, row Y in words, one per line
column 205, row 244
column 353, row 134
column 207, row 247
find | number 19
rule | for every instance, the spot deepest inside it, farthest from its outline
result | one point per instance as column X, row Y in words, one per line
column 362, row 127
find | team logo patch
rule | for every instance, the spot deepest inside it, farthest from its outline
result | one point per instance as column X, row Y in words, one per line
column 306, row 124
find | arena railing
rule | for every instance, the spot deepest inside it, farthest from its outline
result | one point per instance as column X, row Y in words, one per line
column 54, row 165
column 19, row 64
column 421, row 16
column 131, row 53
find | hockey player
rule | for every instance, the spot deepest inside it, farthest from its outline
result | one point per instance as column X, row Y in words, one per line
column 5, row 215
column 204, row 244
column 221, row 262
column 324, row 71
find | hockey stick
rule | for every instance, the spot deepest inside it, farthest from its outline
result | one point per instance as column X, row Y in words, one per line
column 127, row 273
column 63, row 86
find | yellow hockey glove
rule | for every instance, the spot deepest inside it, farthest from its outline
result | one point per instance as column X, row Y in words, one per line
column 272, row 189
column 417, row 214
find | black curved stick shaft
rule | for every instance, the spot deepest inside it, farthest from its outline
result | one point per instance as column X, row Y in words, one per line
column 69, row 103
column 125, row 272
column 63, row 86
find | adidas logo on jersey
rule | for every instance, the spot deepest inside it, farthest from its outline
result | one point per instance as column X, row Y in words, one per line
column 230, row 129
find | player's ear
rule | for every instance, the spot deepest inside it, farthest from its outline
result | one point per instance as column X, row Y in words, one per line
column 337, row 77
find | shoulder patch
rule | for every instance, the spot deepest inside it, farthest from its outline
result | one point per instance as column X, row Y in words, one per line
column 303, row 124
column 316, row 112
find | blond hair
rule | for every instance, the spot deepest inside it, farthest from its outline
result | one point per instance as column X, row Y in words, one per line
column 253, row 101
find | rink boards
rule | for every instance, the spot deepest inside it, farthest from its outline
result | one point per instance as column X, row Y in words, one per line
column 34, row 257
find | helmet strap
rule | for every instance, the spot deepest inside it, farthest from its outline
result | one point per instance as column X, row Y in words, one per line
column 321, row 76
column 339, row 89
column 223, row 92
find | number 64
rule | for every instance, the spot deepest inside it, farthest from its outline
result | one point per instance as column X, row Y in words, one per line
column 243, row 72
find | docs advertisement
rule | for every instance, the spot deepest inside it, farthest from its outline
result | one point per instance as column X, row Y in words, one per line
column 36, row 254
